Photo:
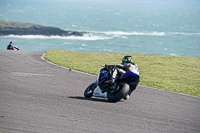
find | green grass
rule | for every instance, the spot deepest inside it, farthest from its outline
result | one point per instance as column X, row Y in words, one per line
column 173, row 73
column 7, row 22
column 4, row 22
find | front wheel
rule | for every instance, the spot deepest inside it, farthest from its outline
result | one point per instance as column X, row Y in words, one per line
column 89, row 90
column 120, row 93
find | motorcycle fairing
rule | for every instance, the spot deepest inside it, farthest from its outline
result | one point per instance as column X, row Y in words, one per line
column 97, row 93
column 130, row 77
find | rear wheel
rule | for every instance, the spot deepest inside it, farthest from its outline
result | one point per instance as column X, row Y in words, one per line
column 120, row 93
column 89, row 90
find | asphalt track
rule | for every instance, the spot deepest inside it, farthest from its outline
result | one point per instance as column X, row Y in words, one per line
column 38, row 97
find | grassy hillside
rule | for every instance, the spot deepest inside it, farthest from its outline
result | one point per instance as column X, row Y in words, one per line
column 8, row 22
column 3, row 22
column 173, row 73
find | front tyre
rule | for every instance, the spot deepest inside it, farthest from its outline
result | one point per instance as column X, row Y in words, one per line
column 120, row 93
column 89, row 90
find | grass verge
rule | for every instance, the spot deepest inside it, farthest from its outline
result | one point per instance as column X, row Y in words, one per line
column 173, row 73
column 8, row 22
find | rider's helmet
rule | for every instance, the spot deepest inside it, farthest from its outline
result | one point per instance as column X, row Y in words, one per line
column 127, row 59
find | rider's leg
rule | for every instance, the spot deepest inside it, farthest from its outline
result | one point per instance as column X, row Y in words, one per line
column 112, row 78
column 132, row 88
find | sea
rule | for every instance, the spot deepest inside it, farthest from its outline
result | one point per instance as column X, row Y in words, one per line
column 158, row 27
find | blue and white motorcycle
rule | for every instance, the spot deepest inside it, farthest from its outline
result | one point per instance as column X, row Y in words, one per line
column 115, row 91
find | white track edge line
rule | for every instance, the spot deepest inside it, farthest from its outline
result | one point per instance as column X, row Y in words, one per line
column 42, row 57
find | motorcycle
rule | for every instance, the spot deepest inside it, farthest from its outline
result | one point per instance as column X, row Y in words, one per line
column 116, row 91
column 15, row 48
column 12, row 48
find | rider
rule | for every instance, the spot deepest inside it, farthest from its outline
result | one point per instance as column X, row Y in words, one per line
column 11, row 46
column 126, row 65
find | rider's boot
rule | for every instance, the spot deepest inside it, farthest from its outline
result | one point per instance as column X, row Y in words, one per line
column 127, row 97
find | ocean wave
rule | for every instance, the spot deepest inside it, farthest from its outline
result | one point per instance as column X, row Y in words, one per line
column 122, row 33
column 133, row 33
column 173, row 54
column 95, row 35
column 85, row 37
column 183, row 33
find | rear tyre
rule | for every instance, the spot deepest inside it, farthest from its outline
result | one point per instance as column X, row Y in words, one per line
column 120, row 93
column 89, row 90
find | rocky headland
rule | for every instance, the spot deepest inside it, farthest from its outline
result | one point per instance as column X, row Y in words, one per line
column 18, row 28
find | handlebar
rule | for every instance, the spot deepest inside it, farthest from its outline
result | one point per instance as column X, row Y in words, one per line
column 109, row 67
